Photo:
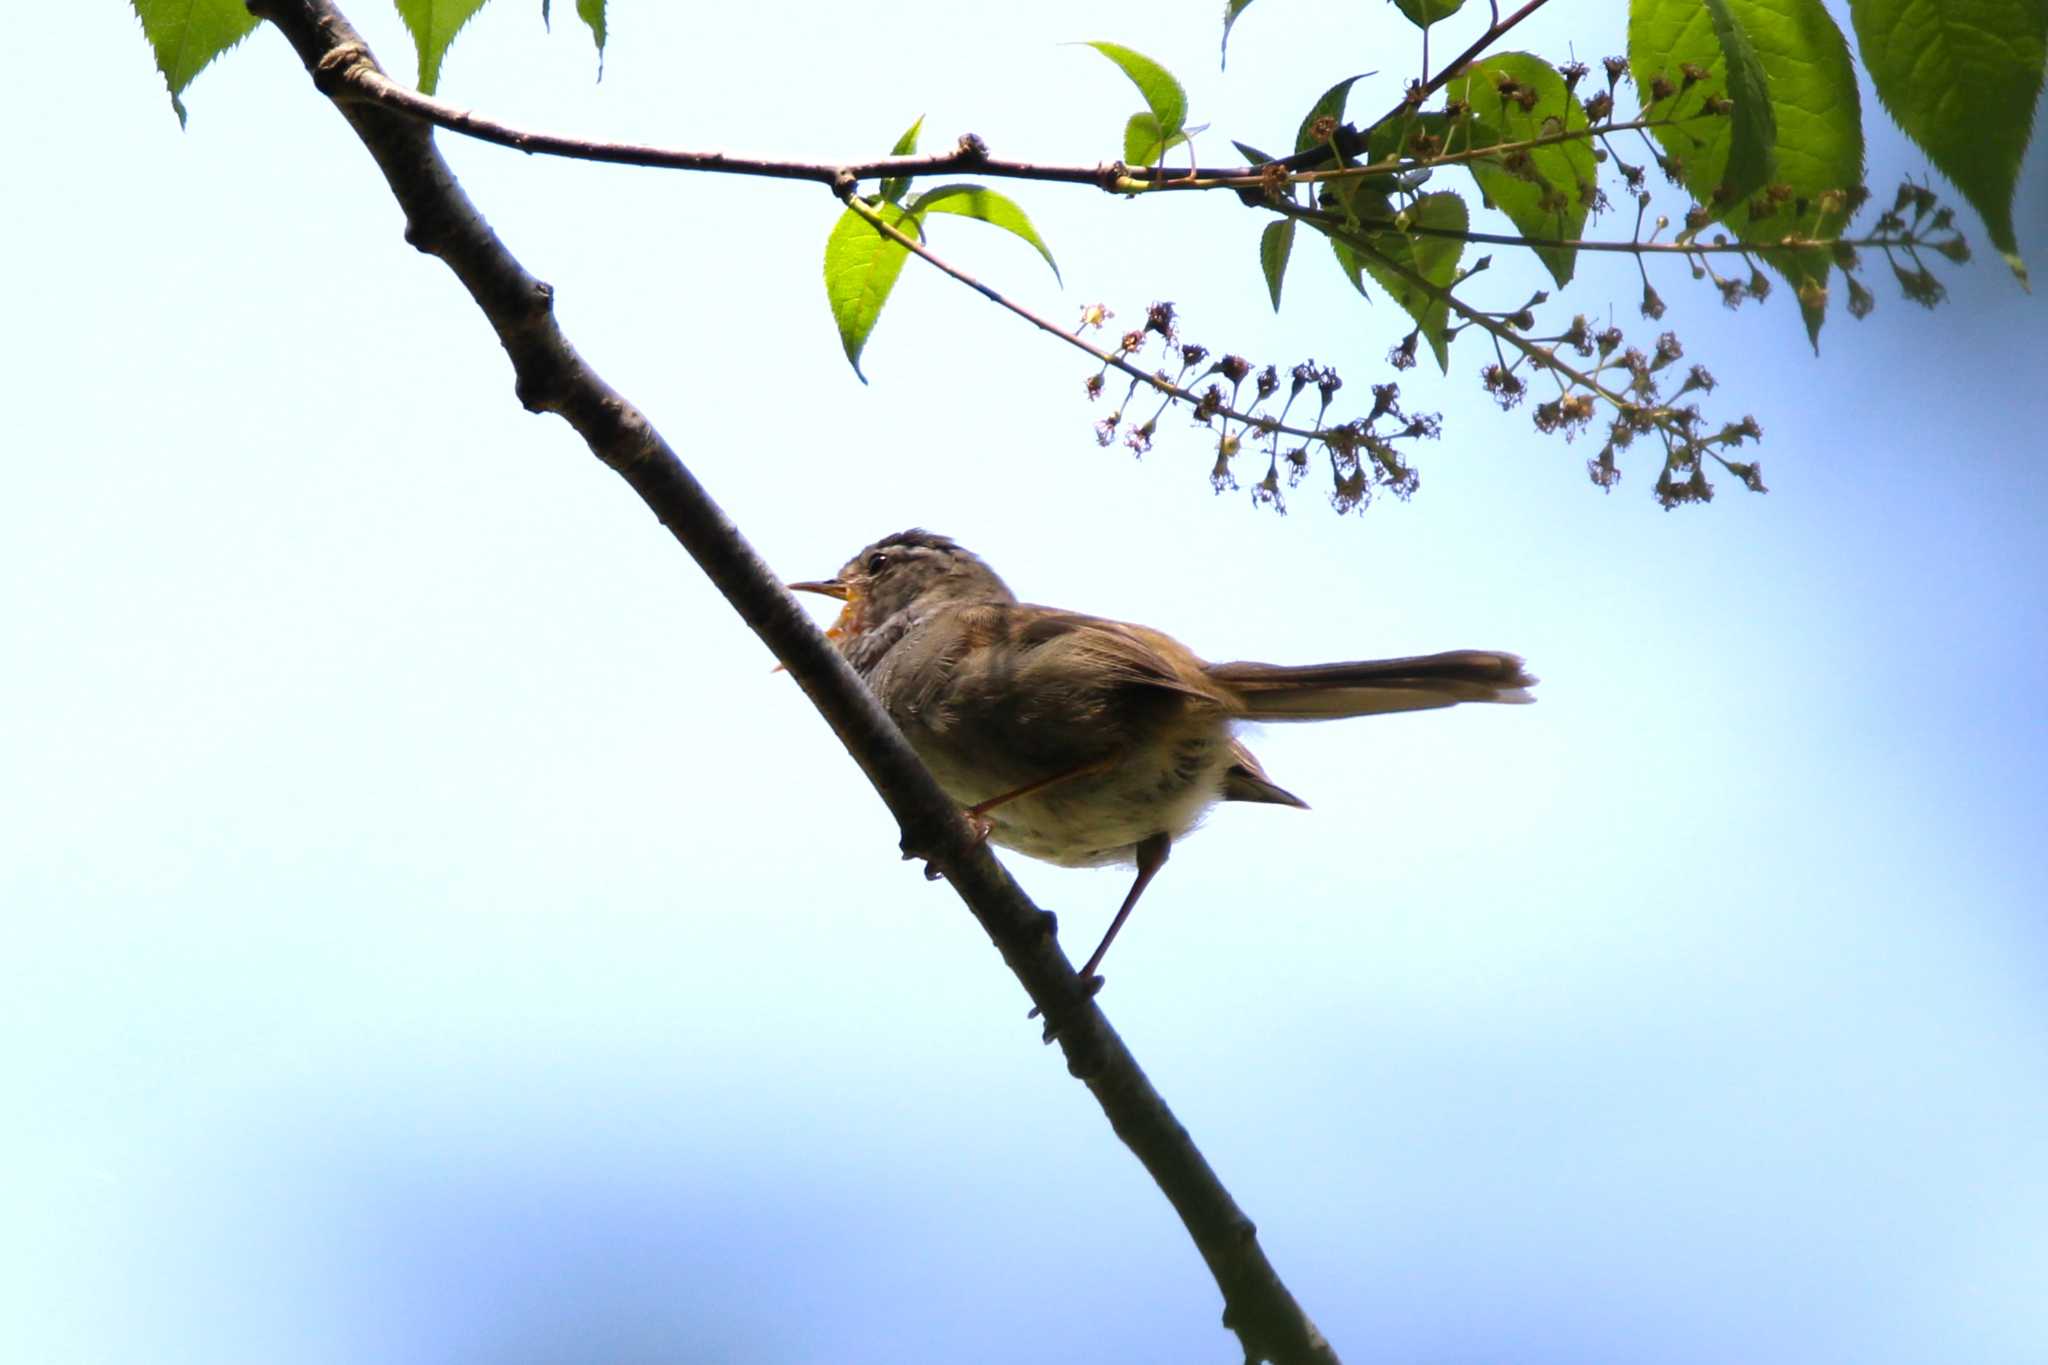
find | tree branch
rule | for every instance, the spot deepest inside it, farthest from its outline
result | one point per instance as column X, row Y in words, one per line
column 369, row 84
column 551, row 377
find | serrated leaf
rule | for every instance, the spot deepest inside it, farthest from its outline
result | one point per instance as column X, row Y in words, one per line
column 1423, row 13
column 1164, row 97
column 433, row 25
column 985, row 205
column 1276, row 243
column 1231, row 9
column 1549, row 190
column 1962, row 78
column 184, row 35
column 1330, row 105
column 1752, row 128
column 1143, row 145
column 591, row 12
column 861, row 266
column 1349, row 263
column 1430, row 255
column 894, row 188
column 1815, row 111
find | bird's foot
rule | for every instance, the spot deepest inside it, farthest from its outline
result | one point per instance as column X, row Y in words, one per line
column 979, row 827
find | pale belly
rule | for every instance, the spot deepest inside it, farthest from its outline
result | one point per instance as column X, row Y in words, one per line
column 1098, row 817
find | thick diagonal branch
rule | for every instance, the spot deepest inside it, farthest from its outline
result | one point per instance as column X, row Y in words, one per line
column 551, row 377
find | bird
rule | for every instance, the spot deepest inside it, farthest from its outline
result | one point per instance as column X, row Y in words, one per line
column 1083, row 741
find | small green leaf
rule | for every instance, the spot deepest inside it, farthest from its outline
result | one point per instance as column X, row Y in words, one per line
column 433, row 25
column 986, row 205
column 894, row 188
column 591, row 12
column 1143, row 143
column 1275, row 245
column 1252, row 155
column 1432, row 256
column 1354, row 270
column 1231, row 9
column 1544, row 191
column 184, row 35
column 1752, row 128
column 1423, row 13
column 861, row 266
column 1144, row 147
column 1815, row 111
column 1962, row 78
column 1163, row 94
column 1330, row 105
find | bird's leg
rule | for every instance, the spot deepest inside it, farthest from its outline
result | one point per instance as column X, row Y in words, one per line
column 1152, row 851
column 977, row 813
column 1151, row 854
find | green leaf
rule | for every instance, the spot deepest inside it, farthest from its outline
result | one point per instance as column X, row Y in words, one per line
column 185, row 35
column 1544, row 191
column 1423, row 13
column 1815, row 111
column 986, row 205
column 591, row 12
column 1752, row 128
column 894, row 188
column 1348, row 261
column 1163, row 95
column 1275, row 244
column 1143, row 146
column 861, row 266
column 1433, row 257
column 1231, row 9
column 433, row 25
column 1252, row 155
column 1331, row 105
column 1962, row 78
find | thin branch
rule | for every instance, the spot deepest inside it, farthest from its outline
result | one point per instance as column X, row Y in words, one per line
column 1501, row 332
column 1416, row 94
column 370, row 85
column 551, row 377
column 1251, row 177
column 1154, row 379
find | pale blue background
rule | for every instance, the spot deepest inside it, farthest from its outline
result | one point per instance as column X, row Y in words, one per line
column 433, row 934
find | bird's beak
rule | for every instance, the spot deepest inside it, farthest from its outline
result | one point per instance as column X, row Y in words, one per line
column 830, row 587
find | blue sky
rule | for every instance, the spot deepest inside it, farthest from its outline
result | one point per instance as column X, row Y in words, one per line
column 437, row 936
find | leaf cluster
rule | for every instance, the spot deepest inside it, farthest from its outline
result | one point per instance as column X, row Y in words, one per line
column 1748, row 109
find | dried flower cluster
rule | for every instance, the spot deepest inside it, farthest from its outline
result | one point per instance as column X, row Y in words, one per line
column 1247, row 408
column 1372, row 210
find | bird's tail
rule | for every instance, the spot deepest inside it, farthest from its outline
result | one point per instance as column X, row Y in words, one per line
column 1370, row 687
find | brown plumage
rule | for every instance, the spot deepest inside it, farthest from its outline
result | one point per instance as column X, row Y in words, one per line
column 1085, row 741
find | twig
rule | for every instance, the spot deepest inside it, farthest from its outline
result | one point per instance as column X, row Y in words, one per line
column 370, row 85
column 1151, row 378
column 551, row 377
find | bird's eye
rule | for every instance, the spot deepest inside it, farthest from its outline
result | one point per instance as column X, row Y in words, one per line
column 877, row 562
